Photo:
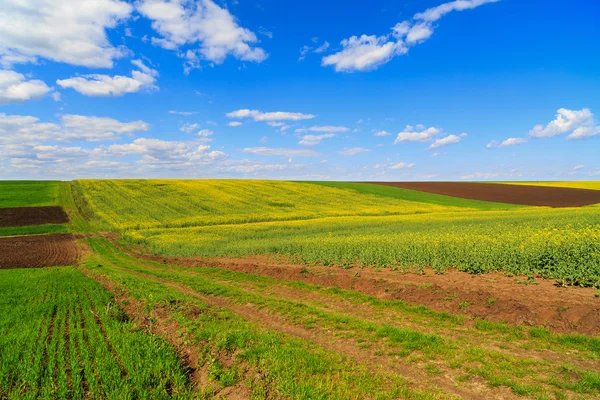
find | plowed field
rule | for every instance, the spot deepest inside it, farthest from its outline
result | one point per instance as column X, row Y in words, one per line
column 38, row 251
column 26, row 216
column 509, row 194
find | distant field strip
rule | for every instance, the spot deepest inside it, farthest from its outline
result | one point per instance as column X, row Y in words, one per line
column 512, row 194
column 29, row 193
column 132, row 204
column 593, row 185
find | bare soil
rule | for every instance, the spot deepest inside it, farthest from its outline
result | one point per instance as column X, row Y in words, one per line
column 492, row 297
column 39, row 251
column 506, row 193
column 26, row 216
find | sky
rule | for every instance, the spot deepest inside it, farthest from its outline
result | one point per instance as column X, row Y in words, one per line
column 308, row 90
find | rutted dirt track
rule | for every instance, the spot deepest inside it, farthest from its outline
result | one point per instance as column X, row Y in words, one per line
column 39, row 251
column 492, row 297
column 506, row 193
column 26, row 216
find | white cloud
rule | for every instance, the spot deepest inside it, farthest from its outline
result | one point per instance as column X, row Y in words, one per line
column 235, row 123
column 330, row 129
column 581, row 124
column 402, row 165
column 27, row 130
column 450, row 139
column 435, row 13
column 15, row 88
column 312, row 140
column 105, row 85
column 364, row 53
column 184, row 113
column 269, row 116
column 269, row 151
column 353, row 151
column 506, row 143
column 200, row 23
column 578, row 167
column 381, row 133
column 205, row 133
column 322, row 48
column 189, row 128
column 72, row 32
column 368, row 52
column 410, row 135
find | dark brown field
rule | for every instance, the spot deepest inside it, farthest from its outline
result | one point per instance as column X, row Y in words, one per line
column 26, row 216
column 506, row 193
column 38, row 251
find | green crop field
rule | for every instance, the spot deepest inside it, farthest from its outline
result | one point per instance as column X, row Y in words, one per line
column 322, row 304
column 29, row 193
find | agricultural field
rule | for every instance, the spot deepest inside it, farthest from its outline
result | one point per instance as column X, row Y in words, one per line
column 301, row 290
column 592, row 185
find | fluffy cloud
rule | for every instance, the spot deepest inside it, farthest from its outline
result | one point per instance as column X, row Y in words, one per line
column 329, row 129
column 352, row 151
column 269, row 116
column 506, row 143
column 15, row 88
column 189, row 128
column 67, row 31
column 450, row 139
column 367, row 52
column 200, row 23
column 581, row 124
column 105, row 85
column 269, row 151
column 311, row 140
column 409, row 134
column 27, row 130
column 235, row 124
column 364, row 53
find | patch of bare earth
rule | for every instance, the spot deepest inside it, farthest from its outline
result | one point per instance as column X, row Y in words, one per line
column 26, row 216
column 492, row 297
column 505, row 193
column 39, row 251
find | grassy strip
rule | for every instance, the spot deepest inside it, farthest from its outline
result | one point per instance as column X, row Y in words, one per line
column 28, row 193
column 33, row 230
column 414, row 195
column 294, row 367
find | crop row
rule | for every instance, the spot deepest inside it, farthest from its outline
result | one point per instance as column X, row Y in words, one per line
column 61, row 336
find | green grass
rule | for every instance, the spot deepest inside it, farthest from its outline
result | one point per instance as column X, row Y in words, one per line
column 414, row 195
column 29, row 193
column 413, row 333
column 62, row 337
column 33, row 230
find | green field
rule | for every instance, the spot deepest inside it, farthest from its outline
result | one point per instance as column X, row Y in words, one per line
column 29, row 193
column 121, row 326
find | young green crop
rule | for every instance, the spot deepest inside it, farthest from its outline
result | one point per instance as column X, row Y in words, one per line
column 28, row 193
column 61, row 336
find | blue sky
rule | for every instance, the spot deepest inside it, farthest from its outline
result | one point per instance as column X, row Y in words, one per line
column 389, row 90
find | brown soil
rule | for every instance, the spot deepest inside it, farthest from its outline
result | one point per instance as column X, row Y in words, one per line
column 506, row 193
column 26, row 216
column 492, row 297
column 39, row 251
